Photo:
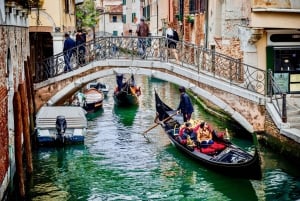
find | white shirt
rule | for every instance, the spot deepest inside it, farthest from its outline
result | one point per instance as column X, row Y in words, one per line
column 169, row 31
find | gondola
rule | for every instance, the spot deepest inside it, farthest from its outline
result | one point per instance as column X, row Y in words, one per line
column 228, row 158
column 126, row 93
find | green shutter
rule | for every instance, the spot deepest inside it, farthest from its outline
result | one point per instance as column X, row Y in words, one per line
column 132, row 17
column 124, row 19
column 124, row 2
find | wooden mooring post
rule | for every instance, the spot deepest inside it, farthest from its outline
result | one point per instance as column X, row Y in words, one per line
column 26, row 130
column 18, row 143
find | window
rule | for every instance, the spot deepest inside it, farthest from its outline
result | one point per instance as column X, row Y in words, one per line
column 115, row 33
column 124, row 19
column 146, row 12
column 287, row 59
column 124, row 2
column 133, row 16
column 197, row 6
column 114, row 18
column 67, row 6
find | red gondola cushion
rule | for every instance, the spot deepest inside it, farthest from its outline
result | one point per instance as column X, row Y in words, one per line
column 217, row 146
column 208, row 150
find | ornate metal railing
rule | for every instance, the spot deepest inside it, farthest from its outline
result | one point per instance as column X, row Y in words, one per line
column 187, row 55
column 277, row 97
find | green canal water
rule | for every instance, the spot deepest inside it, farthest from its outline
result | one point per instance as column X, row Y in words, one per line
column 117, row 163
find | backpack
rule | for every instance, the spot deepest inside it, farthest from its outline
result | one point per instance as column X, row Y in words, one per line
column 175, row 35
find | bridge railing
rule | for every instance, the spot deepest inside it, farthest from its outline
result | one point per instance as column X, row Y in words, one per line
column 277, row 97
column 187, row 55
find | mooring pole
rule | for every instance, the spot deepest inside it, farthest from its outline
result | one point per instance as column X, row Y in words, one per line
column 18, row 143
column 26, row 131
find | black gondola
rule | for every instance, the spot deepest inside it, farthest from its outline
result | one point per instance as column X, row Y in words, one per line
column 231, row 159
column 126, row 93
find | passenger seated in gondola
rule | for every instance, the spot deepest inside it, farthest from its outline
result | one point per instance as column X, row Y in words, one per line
column 187, row 136
column 204, row 135
column 208, row 140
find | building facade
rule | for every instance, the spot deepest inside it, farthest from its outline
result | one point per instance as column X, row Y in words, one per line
column 47, row 26
column 110, row 18
column 264, row 34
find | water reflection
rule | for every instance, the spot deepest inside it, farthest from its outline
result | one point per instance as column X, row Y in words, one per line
column 95, row 114
column 210, row 184
column 125, row 115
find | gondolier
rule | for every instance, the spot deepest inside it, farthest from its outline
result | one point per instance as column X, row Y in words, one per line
column 185, row 105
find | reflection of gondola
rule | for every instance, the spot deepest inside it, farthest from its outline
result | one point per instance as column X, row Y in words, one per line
column 93, row 115
column 226, row 158
column 126, row 115
column 126, row 93
column 225, row 185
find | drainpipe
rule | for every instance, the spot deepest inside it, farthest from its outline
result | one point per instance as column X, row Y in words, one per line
column 157, row 17
column 206, row 24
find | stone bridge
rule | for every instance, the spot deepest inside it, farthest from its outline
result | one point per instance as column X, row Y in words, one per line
column 235, row 88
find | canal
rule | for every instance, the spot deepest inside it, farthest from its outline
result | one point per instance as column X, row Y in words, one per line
column 117, row 163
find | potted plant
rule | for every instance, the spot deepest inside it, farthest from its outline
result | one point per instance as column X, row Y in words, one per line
column 191, row 18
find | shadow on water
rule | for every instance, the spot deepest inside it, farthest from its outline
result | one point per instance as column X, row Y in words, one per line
column 125, row 115
column 211, row 181
column 93, row 115
column 46, row 182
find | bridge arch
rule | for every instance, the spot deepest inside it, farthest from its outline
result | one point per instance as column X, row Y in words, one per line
column 71, row 82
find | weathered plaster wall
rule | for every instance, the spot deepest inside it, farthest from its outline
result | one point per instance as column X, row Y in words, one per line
column 14, row 49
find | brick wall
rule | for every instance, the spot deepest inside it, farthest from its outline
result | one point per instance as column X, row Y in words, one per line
column 3, row 133
column 14, row 50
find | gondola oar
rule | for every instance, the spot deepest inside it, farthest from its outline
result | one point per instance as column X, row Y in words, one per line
column 158, row 123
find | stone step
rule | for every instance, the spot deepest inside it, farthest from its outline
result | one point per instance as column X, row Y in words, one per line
column 295, row 112
column 293, row 118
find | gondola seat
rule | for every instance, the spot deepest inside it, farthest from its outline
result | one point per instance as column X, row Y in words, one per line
column 212, row 149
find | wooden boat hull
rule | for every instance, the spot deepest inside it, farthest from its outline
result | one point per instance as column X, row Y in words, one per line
column 94, row 100
column 231, row 160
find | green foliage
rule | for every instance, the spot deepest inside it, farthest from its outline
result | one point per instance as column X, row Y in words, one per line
column 87, row 16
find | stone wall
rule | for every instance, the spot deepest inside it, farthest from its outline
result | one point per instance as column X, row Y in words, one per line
column 14, row 50
column 277, row 142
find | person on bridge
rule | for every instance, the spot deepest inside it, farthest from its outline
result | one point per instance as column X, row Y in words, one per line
column 69, row 45
column 142, row 31
column 80, row 41
column 185, row 105
column 171, row 40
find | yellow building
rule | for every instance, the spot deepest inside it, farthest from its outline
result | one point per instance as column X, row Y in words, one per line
column 47, row 26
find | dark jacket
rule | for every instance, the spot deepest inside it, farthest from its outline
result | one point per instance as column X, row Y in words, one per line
column 185, row 105
column 69, row 44
column 142, row 29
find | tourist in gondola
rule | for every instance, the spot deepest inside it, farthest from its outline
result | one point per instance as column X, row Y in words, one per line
column 204, row 135
column 187, row 135
column 185, row 105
